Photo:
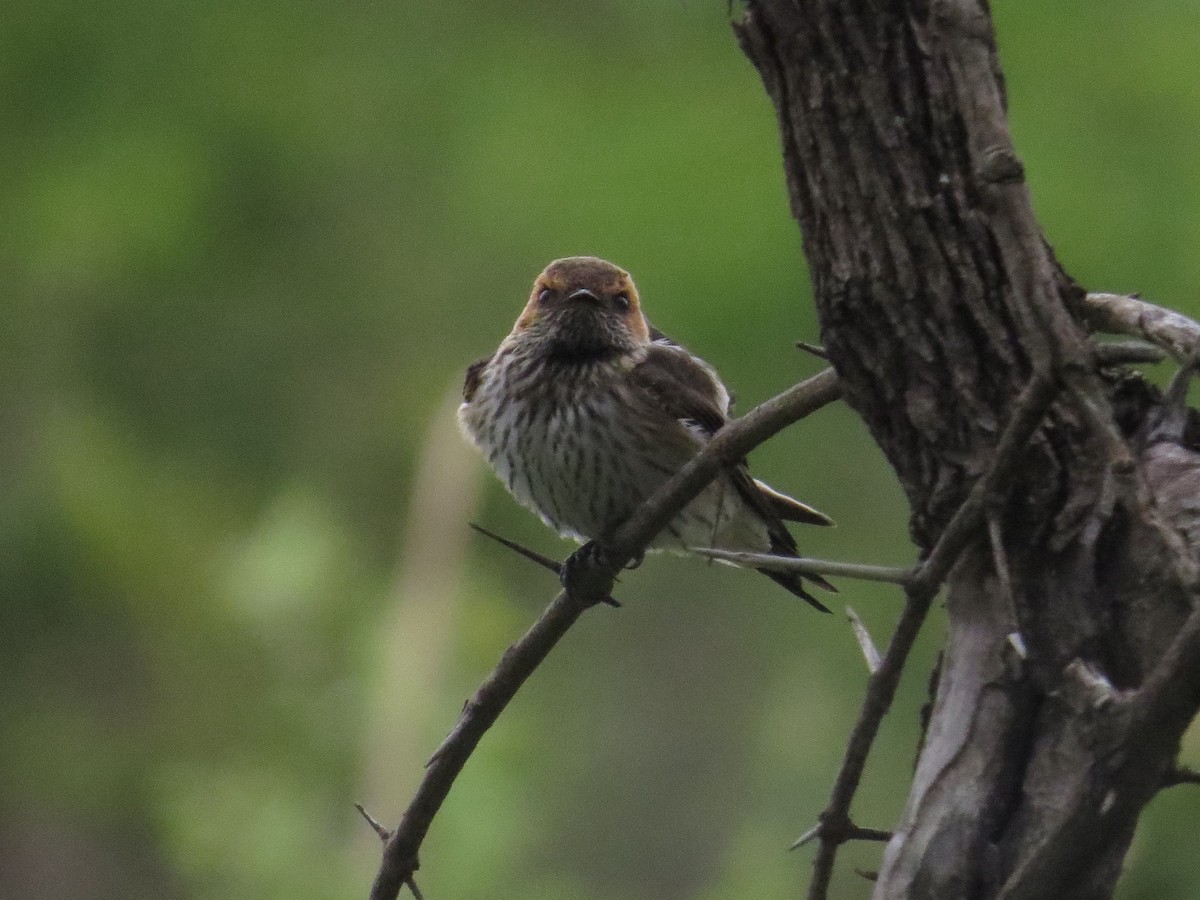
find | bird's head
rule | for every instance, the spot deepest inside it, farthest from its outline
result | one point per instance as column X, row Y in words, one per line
column 584, row 307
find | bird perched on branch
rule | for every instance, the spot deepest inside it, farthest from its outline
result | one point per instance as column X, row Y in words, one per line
column 585, row 409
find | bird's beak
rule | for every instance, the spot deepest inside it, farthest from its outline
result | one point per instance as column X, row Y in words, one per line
column 583, row 294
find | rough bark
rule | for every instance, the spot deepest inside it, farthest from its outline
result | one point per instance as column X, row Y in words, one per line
column 939, row 300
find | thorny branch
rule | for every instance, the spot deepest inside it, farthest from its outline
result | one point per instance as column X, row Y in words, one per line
column 1107, row 312
column 731, row 444
column 532, row 555
column 804, row 565
column 1176, row 334
column 834, row 826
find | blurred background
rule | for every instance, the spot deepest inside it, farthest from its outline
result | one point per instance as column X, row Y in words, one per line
column 248, row 250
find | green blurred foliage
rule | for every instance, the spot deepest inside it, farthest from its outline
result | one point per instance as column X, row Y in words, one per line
column 249, row 248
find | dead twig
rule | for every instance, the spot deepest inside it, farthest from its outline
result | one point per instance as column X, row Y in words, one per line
column 1127, row 353
column 410, row 881
column 807, row 565
column 1131, row 315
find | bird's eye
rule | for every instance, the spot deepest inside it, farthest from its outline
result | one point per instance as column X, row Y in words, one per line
column 622, row 301
column 544, row 296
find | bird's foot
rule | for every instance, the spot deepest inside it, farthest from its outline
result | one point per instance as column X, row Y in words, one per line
column 588, row 572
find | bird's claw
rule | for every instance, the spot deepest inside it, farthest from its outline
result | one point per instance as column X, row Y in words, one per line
column 587, row 572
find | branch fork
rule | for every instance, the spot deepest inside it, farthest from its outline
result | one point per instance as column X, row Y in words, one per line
column 840, row 831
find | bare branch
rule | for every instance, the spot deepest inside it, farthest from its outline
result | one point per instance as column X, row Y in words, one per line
column 1124, row 353
column 870, row 834
column 518, row 663
column 1133, row 316
column 807, row 565
column 933, row 408
column 732, row 443
column 1029, row 410
column 1181, row 775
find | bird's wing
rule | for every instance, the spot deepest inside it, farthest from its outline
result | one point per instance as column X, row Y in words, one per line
column 685, row 389
column 721, row 395
column 680, row 386
column 689, row 391
column 474, row 376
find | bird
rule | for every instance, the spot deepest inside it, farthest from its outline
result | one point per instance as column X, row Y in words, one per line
column 585, row 409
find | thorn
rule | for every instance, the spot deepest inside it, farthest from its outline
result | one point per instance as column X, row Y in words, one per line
column 870, row 876
column 806, row 837
column 815, row 349
column 544, row 561
column 869, row 650
column 383, row 833
column 840, row 835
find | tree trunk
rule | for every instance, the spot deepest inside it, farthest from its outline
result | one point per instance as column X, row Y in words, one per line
column 1070, row 671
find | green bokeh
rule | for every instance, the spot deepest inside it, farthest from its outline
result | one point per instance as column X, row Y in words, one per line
column 248, row 250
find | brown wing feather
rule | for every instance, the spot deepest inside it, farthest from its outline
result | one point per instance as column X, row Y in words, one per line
column 686, row 391
column 681, row 387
